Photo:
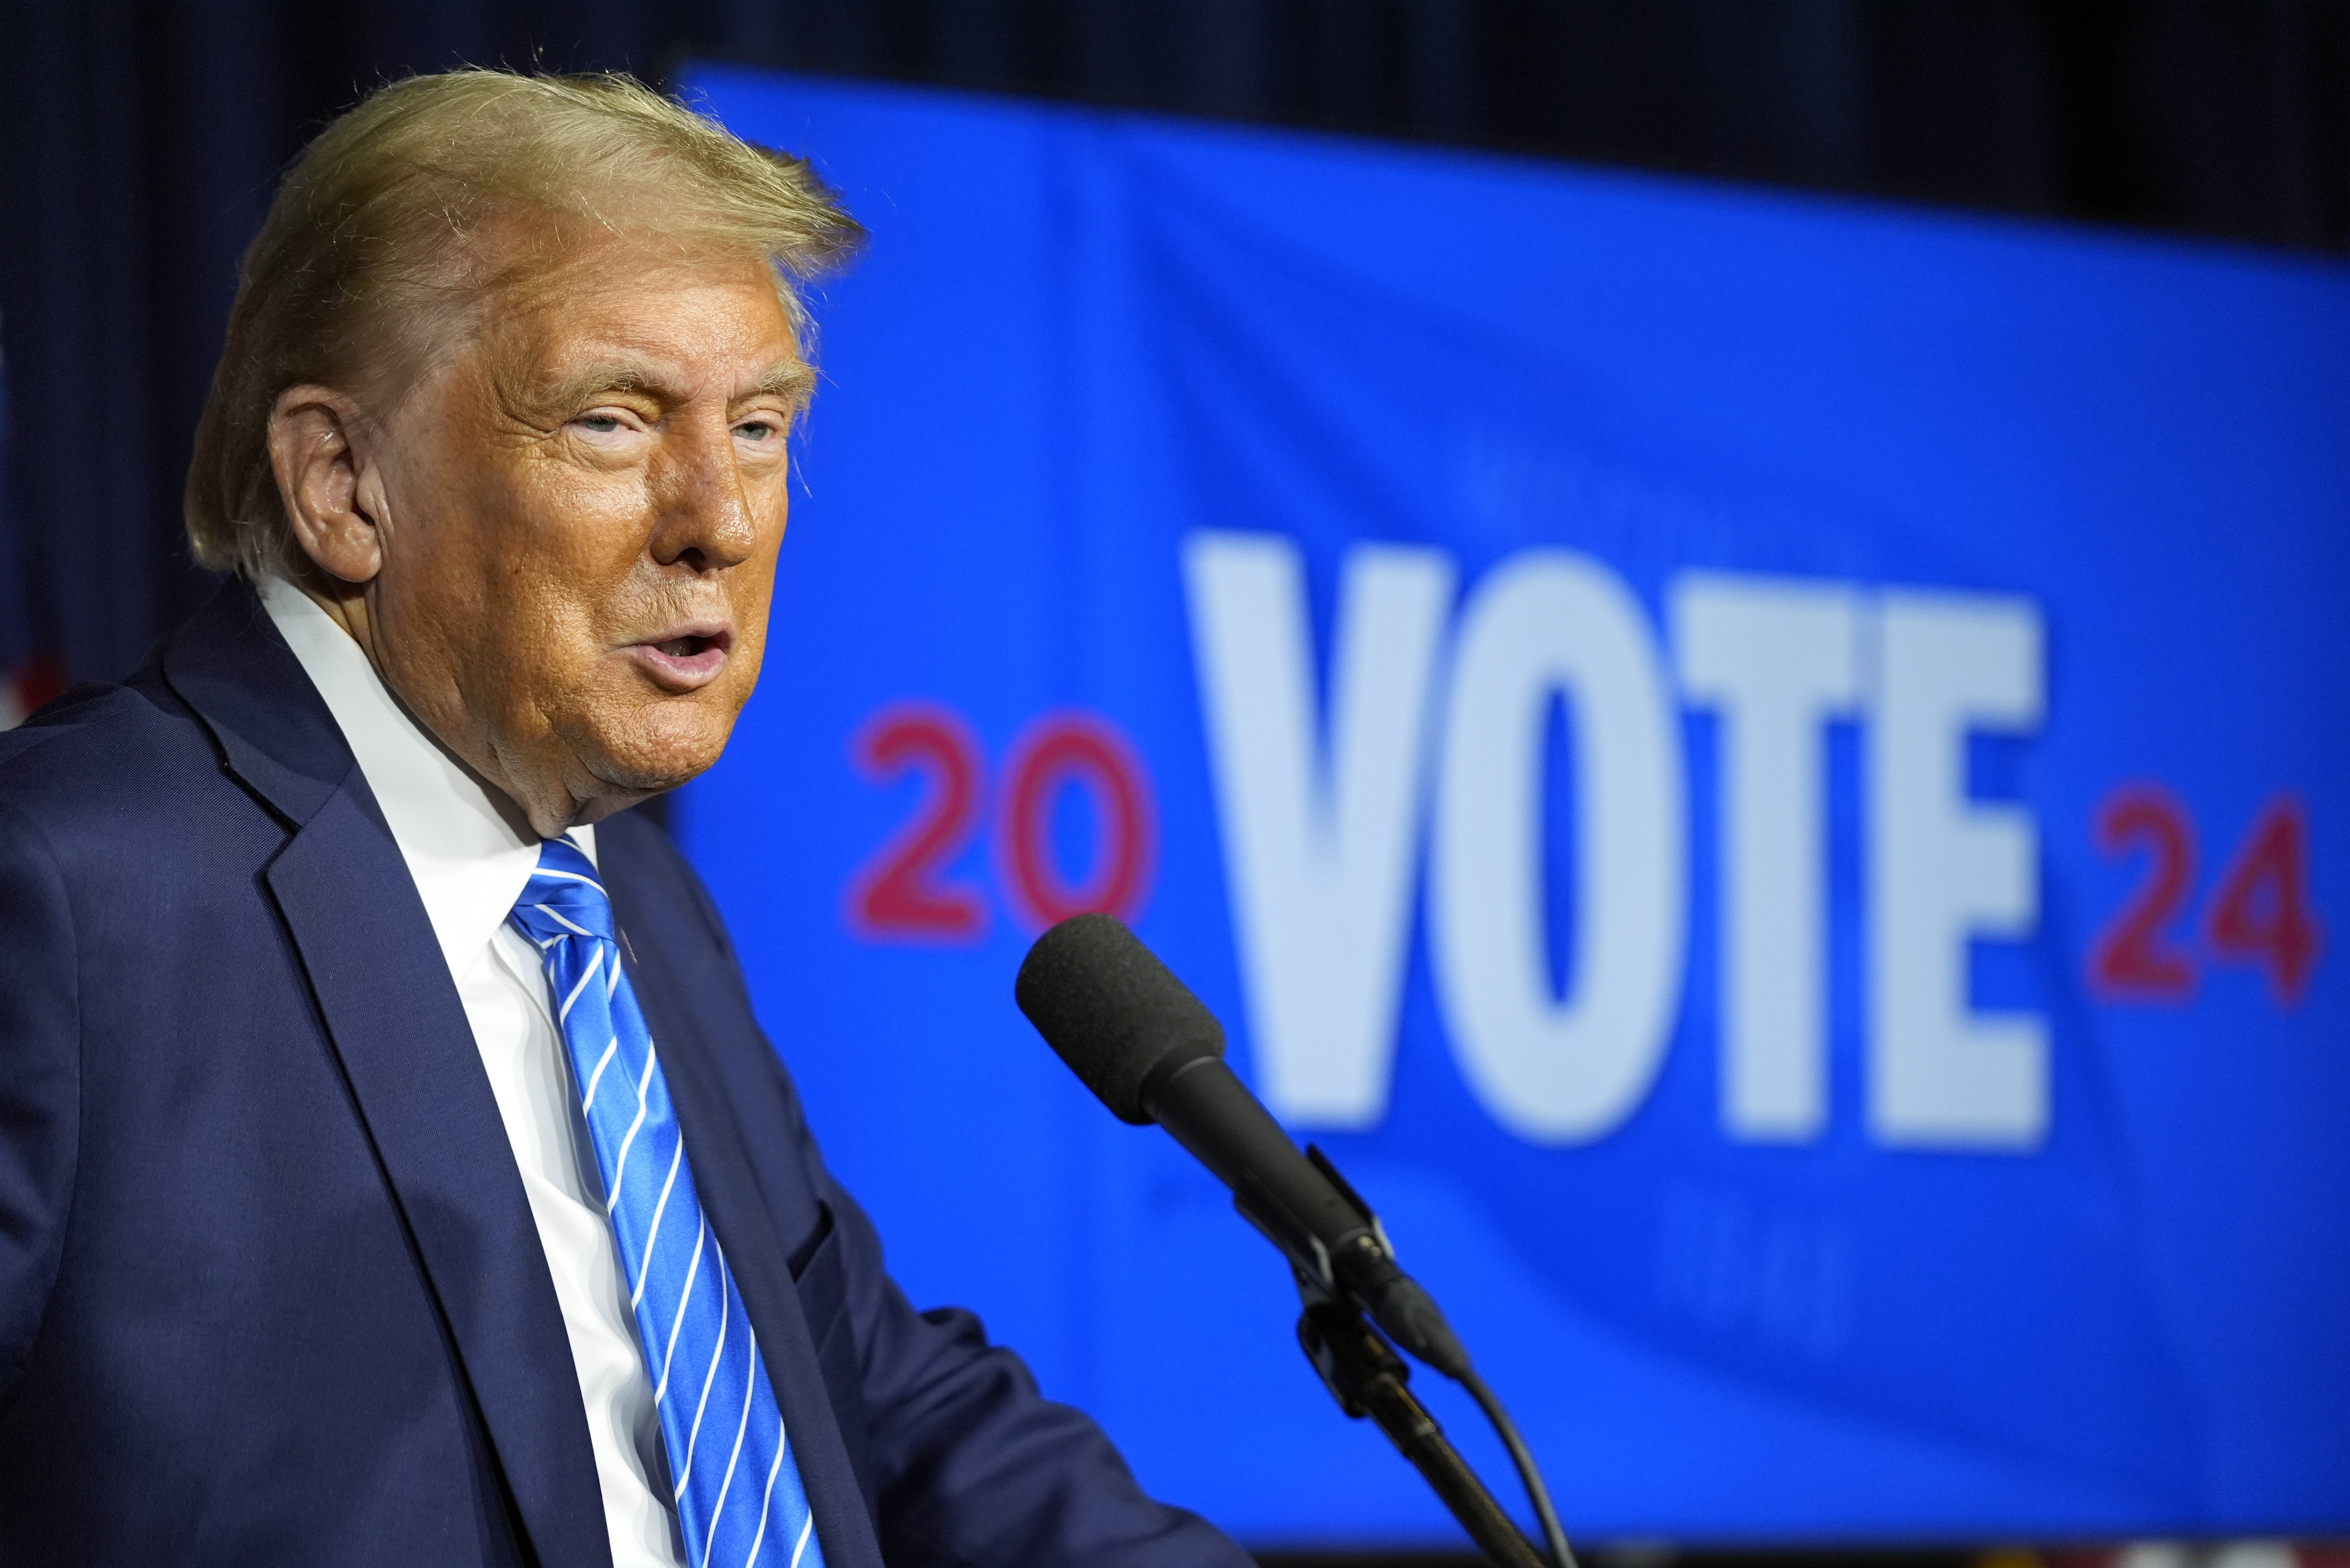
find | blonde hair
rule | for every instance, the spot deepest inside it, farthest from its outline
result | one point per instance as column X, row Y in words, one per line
column 363, row 267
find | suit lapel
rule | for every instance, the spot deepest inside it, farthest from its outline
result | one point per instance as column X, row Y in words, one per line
column 407, row 1051
column 730, row 1196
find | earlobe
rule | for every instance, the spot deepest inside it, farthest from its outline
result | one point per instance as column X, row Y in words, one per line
column 312, row 434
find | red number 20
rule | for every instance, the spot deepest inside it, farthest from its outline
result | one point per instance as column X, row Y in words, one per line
column 902, row 890
column 1057, row 751
column 903, row 893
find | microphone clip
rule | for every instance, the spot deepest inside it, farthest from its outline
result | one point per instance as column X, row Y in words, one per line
column 1369, row 1378
column 1365, row 1246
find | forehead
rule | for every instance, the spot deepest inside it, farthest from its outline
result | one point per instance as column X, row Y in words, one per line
column 692, row 317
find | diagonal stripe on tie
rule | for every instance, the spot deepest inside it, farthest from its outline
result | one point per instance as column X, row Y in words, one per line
column 738, row 1494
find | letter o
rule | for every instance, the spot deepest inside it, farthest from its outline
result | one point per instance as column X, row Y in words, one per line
column 1558, row 1070
column 1080, row 749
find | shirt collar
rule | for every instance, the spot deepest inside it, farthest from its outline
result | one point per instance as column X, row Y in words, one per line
column 469, row 862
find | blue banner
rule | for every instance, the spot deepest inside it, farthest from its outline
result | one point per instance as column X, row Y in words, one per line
column 1766, row 774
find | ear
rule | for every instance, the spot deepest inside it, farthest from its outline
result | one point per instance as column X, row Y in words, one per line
column 313, row 435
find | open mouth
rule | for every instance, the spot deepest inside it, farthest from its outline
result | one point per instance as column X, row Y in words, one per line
column 692, row 656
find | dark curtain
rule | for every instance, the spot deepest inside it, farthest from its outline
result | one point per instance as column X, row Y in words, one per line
column 142, row 142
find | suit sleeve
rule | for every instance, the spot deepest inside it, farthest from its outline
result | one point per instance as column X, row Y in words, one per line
column 967, row 1462
column 973, row 1465
column 39, row 1085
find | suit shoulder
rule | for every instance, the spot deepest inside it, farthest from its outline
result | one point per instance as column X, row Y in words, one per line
column 99, row 755
column 640, row 857
column 638, row 849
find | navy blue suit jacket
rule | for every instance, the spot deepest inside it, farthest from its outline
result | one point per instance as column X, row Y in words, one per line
column 270, row 1290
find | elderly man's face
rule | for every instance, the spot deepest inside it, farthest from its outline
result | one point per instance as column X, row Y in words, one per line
column 574, row 527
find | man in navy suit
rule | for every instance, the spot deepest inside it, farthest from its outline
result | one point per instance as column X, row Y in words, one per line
column 329, row 1231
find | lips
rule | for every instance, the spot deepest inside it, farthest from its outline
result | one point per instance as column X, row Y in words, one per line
column 685, row 656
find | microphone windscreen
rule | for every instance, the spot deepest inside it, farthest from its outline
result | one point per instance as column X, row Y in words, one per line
column 1116, row 1015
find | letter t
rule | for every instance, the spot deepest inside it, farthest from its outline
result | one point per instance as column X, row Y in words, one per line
column 1776, row 659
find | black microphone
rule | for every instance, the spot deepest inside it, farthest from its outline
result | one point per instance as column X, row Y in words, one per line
column 1152, row 1052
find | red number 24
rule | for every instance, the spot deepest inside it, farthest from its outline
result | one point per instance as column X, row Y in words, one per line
column 2259, row 913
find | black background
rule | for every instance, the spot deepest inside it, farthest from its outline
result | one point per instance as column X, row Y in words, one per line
column 142, row 142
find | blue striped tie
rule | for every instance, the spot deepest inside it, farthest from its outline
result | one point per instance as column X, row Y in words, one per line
column 738, row 1494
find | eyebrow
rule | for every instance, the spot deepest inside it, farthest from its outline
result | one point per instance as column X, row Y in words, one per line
column 608, row 375
column 792, row 379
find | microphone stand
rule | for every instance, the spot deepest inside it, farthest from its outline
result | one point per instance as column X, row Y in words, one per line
column 1153, row 1054
column 1366, row 1375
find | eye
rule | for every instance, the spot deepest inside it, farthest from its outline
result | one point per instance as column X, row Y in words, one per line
column 604, row 426
column 761, row 430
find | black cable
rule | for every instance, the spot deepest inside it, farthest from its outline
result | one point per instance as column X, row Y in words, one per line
column 1554, row 1538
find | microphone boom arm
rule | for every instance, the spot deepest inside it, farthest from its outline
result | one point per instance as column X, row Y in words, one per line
column 1367, row 1378
column 1344, row 1280
column 1152, row 1053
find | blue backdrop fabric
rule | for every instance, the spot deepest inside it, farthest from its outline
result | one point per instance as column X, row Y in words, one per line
column 1766, row 774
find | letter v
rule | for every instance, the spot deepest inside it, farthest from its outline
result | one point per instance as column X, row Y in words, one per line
column 1320, row 843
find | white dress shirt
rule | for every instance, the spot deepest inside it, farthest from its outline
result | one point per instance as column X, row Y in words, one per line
column 471, row 854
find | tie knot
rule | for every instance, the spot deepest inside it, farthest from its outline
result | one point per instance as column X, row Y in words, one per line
column 564, row 897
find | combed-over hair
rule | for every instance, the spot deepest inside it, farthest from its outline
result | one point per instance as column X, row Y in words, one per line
column 364, row 270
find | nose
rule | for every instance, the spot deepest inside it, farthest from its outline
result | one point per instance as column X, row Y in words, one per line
column 702, row 514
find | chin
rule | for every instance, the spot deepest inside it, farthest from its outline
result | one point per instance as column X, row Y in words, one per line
column 670, row 743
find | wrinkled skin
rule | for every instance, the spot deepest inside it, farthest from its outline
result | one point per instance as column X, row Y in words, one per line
column 557, row 544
